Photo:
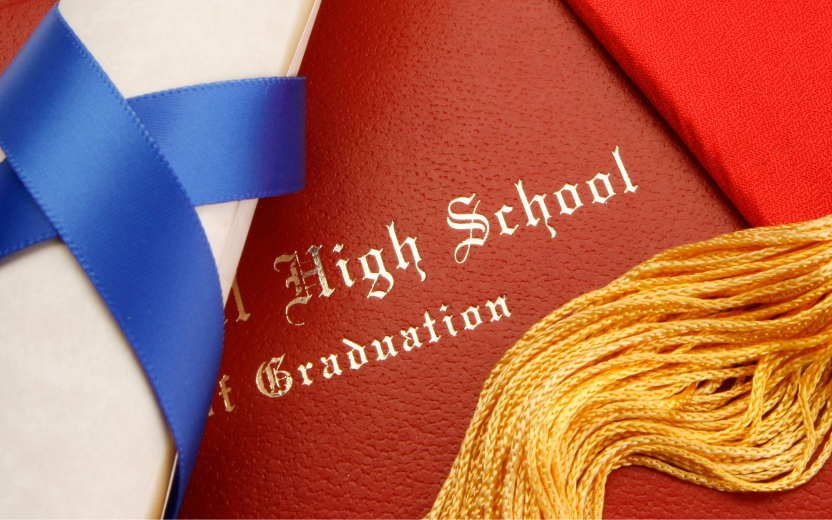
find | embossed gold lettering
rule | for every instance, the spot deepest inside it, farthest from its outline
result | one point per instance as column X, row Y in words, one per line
column 298, row 278
column 528, row 207
column 630, row 187
column 469, row 222
column 385, row 348
column 242, row 315
column 369, row 274
column 342, row 265
column 224, row 391
column 504, row 229
column 293, row 279
column 429, row 325
column 447, row 320
column 331, row 367
column 355, row 365
column 397, row 247
column 388, row 340
column 474, row 313
column 280, row 381
column 302, row 369
column 412, row 341
column 318, row 271
column 495, row 313
column 573, row 190
column 605, row 178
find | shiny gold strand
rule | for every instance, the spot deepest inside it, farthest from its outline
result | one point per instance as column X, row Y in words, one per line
column 710, row 362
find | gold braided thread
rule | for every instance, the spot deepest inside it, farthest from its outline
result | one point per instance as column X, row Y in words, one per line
column 710, row 362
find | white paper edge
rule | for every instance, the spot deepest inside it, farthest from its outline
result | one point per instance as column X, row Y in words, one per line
column 244, row 214
column 245, row 210
column 230, row 259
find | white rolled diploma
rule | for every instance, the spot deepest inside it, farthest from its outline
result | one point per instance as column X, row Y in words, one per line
column 82, row 434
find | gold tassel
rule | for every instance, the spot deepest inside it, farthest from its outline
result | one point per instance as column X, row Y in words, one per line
column 709, row 362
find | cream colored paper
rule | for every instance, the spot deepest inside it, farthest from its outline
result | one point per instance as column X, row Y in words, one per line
column 82, row 435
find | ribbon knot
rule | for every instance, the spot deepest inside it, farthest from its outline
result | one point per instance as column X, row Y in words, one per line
column 117, row 180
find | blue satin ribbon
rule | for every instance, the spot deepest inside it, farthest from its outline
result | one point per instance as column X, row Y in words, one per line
column 117, row 180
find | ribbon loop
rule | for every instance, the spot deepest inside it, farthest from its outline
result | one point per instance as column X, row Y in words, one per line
column 81, row 165
column 231, row 140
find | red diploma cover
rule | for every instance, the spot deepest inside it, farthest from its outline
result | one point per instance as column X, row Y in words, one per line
column 428, row 122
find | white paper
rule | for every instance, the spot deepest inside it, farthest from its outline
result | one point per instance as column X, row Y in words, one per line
column 82, row 435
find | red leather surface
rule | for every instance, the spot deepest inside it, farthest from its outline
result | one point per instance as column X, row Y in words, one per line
column 643, row 493
column 18, row 19
column 747, row 84
column 413, row 104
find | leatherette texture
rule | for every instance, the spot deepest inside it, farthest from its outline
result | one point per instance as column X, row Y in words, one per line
column 18, row 20
column 413, row 105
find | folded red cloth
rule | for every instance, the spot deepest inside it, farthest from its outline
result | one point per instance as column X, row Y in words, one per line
column 747, row 84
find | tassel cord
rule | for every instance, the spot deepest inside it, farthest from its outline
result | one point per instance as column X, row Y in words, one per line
column 709, row 362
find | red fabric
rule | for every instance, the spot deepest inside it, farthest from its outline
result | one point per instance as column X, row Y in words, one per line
column 747, row 84
column 411, row 105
